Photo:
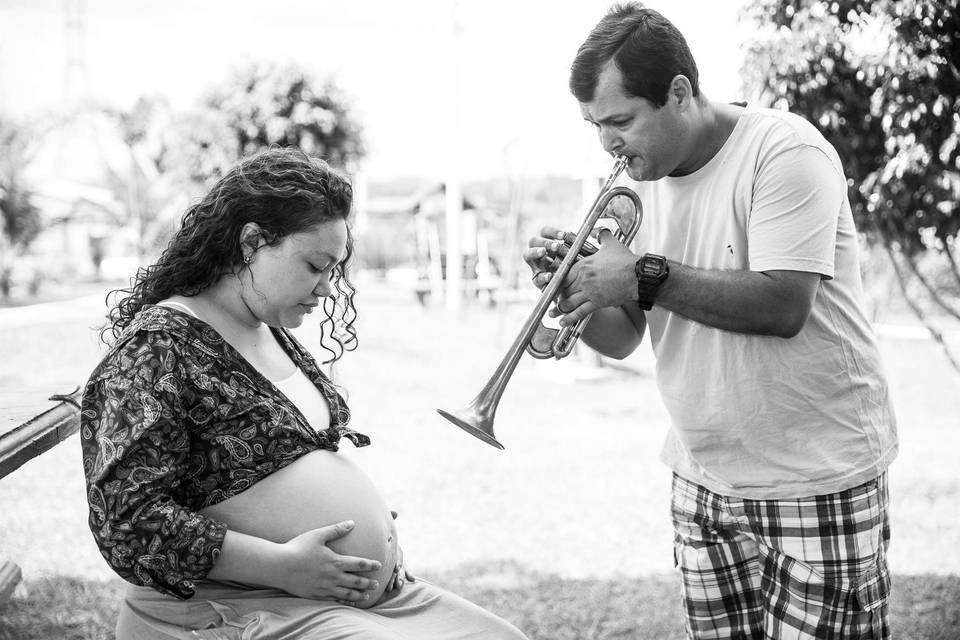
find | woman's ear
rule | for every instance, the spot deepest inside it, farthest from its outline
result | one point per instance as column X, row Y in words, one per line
column 251, row 237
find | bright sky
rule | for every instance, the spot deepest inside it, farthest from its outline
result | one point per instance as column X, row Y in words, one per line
column 397, row 61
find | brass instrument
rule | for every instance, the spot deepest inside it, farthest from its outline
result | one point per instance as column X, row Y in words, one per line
column 541, row 341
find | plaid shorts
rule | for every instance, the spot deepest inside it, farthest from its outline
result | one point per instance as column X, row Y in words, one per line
column 786, row 569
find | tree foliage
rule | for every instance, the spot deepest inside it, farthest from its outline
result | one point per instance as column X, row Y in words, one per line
column 20, row 220
column 269, row 104
column 20, row 217
column 172, row 156
column 881, row 79
column 135, row 178
column 196, row 148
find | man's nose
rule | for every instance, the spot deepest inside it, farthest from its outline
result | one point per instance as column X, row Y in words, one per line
column 609, row 140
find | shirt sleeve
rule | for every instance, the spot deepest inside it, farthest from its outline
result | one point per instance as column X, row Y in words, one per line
column 797, row 199
column 135, row 452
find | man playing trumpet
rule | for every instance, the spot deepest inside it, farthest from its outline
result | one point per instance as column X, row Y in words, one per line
column 746, row 272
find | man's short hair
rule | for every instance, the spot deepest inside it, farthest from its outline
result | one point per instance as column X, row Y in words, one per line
column 649, row 51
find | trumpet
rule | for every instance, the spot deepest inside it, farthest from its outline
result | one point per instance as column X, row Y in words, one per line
column 536, row 338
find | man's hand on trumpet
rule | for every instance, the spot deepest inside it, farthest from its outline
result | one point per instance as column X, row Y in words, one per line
column 604, row 279
column 545, row 254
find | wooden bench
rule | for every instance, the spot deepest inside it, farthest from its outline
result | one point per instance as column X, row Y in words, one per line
column 25, row 442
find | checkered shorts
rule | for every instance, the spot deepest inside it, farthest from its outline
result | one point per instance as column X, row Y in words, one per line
column 785, row 569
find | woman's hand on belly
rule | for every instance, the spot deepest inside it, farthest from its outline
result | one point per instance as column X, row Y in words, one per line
column 310, row 495
column 400, row 572
column 311, row 569
column 400, row 575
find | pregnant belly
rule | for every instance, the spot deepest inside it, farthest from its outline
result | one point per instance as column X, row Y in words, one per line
column 318, row 489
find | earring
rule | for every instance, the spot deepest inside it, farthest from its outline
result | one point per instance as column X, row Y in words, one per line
column 246, row 259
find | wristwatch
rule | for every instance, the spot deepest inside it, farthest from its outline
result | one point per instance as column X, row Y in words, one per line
column 651, row 270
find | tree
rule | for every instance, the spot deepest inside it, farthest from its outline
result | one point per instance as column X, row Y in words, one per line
column 166, row 160
column 20, row 219
column 268, row 104
column 197, row 148
column 133, row 179
column 881, row 79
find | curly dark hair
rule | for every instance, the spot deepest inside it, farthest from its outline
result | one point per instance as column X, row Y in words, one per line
column 282, row 190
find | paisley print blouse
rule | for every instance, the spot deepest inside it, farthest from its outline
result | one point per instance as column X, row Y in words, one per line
column 173, row 420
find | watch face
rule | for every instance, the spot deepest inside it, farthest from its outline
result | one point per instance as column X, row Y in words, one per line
column 652, row 267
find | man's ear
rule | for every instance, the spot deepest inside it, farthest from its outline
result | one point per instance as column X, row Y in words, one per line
column 681, row 91
column 251, row 237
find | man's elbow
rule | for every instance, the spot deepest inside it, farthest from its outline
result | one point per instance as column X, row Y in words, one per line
column 618, row 354
column 790, row 324
column 788, row 302
column 616, row 350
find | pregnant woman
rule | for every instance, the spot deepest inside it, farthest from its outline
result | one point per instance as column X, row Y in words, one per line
column 210, row 435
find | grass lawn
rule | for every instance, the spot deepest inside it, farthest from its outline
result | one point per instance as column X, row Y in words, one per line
column 544, row 607
column 566, row 532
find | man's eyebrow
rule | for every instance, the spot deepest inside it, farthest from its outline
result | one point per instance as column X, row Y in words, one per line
column 610, row 118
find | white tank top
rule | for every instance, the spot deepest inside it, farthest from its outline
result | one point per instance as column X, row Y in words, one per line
column 303, row 393
column 297, row 386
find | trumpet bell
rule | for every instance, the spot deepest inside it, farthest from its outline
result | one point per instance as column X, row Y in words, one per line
column 474, row 424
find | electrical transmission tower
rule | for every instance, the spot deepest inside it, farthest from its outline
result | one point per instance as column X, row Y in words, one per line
column 75, row 85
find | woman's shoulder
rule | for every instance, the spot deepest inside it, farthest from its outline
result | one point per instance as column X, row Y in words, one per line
column 157, row 335
column 153, row 325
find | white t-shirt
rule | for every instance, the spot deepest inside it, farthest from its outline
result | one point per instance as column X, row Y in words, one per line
column 756, row 416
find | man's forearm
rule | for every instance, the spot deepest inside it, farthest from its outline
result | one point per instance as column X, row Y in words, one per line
column 774, row 303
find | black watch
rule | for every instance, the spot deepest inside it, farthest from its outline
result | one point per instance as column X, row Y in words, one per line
column 651, row 270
